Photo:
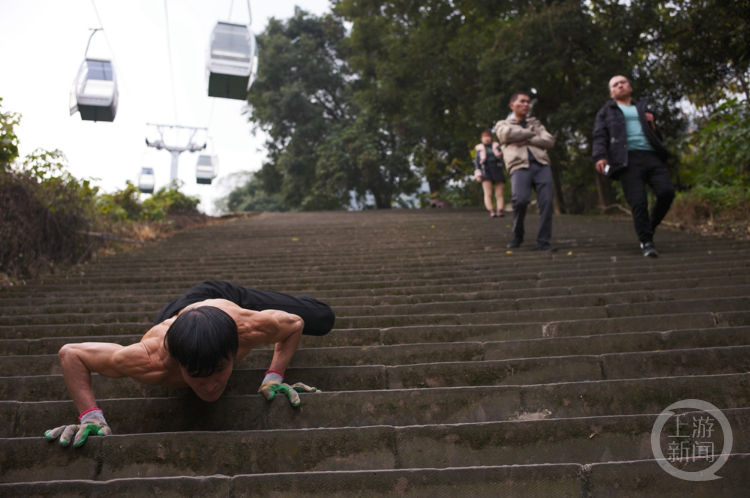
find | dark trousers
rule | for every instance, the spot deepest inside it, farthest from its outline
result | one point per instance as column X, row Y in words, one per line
column 645, row 168
column 318, row 316
column 522, row 180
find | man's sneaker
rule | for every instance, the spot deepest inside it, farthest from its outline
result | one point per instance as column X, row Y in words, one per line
column 546, row 247
column 649, row 250
column 516, row 242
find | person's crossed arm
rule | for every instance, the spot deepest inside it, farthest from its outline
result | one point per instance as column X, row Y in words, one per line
column 513, row 134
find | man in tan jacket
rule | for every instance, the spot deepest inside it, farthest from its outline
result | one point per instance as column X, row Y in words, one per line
column 524, row 143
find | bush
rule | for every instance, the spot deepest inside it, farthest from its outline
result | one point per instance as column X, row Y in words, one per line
column 43, row 209
column 719, row 152
column 45, row 212
column 169, row 201
column 125, row 205
column 712, row 204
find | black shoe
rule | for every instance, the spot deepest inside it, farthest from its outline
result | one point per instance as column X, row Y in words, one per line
column 516, row 242
column 546, row 247
column 649, row 250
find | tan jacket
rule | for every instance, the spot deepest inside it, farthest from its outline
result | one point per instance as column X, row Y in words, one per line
column 538, row 141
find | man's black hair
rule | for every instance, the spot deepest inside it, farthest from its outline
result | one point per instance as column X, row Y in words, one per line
column 201, row 338
column 515, row 96
column 486, row 131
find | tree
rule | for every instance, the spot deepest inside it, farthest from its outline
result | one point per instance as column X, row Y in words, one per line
column 418, row 62
column 704, row 46
column 365, row 156
column 298, row 96
column 8, row 138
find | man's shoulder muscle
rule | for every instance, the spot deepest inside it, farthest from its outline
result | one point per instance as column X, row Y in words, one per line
column 147, row 362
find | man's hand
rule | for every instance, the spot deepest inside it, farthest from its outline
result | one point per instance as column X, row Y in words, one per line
column 270, row 388
column 90, row 423
column 600, row 165
column 650, row 119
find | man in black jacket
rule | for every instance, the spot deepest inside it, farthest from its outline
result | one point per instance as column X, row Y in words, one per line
column 628, row 148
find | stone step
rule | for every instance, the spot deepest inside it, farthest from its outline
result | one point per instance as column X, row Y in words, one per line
column 441, row 303
column 560, row 288
column 46, row 363
column 377, row 271
column 553, row 441
column 317, row 285
column 16, row 337
column 475, row 312
column 636, row 479
column 738, row 286
column 520, row 371
column 470, row 260
column 446, row 405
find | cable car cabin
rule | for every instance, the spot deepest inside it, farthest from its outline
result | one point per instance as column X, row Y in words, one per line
column 232, row 61
column 146, row 180
column 205, row 170
column 94, row 92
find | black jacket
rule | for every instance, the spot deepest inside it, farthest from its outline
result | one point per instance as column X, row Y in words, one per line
column 611, row 137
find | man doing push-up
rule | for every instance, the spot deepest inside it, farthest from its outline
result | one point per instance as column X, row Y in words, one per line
column 195, row 342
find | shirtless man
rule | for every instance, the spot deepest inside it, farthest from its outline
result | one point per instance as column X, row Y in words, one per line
column 196, row 342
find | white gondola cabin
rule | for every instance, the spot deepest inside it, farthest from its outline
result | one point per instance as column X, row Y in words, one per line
column 146, row 180
column 94, row 93
column 232, row 61
column 206, row 169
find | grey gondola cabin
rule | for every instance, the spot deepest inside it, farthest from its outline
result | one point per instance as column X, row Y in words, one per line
column 232, row 61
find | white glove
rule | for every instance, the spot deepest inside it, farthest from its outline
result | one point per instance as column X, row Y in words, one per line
column 91, row 422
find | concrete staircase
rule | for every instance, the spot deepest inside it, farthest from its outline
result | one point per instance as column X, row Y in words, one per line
column 455, row 368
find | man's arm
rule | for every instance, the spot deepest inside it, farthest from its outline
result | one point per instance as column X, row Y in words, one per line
column 600, row 140
column 542, row 138
column 282, row 329
column 111, row 360
column 508, row 133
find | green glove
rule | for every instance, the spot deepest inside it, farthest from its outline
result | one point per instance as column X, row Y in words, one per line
column 91, row 423
column 270, row 388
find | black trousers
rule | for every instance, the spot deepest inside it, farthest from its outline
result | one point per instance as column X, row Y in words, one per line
column 645, row 168
column 318, row 316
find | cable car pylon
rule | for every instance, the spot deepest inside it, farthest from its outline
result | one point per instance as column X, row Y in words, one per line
column 175, row 150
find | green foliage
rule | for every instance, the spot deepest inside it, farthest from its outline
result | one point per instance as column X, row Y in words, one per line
column 54, row 186
column 460, row 193
column 365, row 156
column 704, row 47
column 170, row 201
column 125, row 205
column 403, row 96
column 43, row 209
column 8, row 138
column 719, row 152
column 122, row 205
column 251, row 197
column 299, row 95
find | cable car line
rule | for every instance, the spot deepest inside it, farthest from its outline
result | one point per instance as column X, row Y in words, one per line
column 171, row 69
column 109, row 45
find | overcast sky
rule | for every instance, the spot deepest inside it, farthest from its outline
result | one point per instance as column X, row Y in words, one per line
column 43, row 46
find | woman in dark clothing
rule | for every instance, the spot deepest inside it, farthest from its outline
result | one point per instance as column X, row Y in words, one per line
column 488, row 170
